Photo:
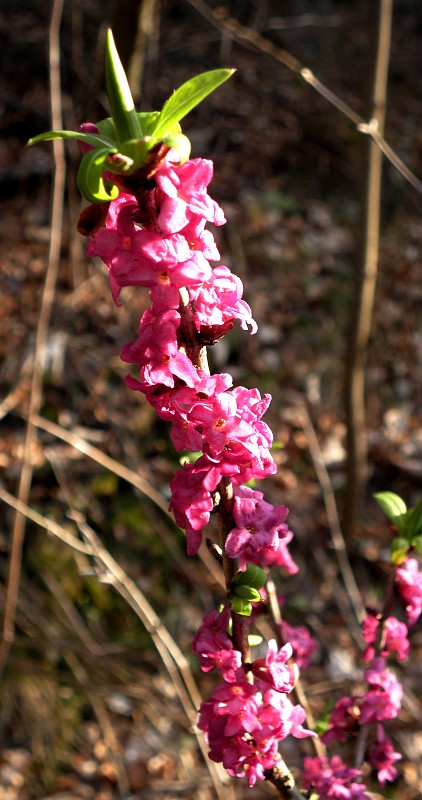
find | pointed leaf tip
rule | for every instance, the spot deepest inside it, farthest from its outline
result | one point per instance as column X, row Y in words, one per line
column 125, row 118
column 189, row 95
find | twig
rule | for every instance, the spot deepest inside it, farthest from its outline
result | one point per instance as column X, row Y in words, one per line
column 18, row 533
column 43, row 522
column 281, row 777
column 81, row 444
column 337, row 537
column 366, row 275
column 251, row 38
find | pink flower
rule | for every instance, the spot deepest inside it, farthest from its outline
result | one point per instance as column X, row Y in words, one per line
column 157, row 352
column 182, row 196
column 268, row 556
column 219, row 299
column 383, row 699
column 381, row 756
column 301, row 641
column 344, row 720
column 331, row 779
column 409, row 583
column 258, row 523
column 192, row 499
column 87, row 127
column 274, row 670
column 118, row 243
column 243, row 727
column 394, row 637
column 214, row 646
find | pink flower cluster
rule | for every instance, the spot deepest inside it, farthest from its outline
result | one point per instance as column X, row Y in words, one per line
column 156, row 238
column 169, row 253
column 383, row 696
column 331, row 779
column 394, row 637
column 380, row 702
column 244, row 721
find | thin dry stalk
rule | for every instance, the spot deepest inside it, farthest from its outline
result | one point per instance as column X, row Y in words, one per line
column 333, row 520
column 18, row 533
column 366, row 278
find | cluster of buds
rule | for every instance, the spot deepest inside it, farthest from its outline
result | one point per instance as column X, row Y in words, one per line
column 148, row 225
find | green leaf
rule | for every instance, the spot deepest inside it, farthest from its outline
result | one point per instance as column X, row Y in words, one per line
column 187, row 96
column 89, row 178
column 93, row 139
column 414, row 520
column 247, row 593
column 322, row 723
column 125, row 118
column 392, row 505
column 148, row 121
column 253, row 576
column 106, row 128
column 240, row 606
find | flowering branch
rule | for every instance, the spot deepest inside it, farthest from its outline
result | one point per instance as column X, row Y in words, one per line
column 147, row 222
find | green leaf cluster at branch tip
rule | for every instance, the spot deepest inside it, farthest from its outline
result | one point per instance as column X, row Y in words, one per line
column 125, row 139
column 408, row 523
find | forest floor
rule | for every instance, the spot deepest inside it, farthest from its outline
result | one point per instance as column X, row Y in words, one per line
column 88, row 710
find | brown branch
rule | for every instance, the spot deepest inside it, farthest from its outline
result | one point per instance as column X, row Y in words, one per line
column 281, row 777
column 333, row 520
column 251, row 38
column 366, row 276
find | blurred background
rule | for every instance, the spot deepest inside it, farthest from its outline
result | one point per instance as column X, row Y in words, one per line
column 88, row 710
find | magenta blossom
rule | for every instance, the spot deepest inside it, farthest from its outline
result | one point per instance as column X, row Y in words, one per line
column 302, row 643
column 409, row 584
column 157, row 352
column 192, row 499
column 344, row 720
column 219, row 299
column 274, row 669
column 381, row 756
column 383, row 699
column 214, row 646
column 258, row 523
column 243, row 727
column 394, row 637
column 182, row 195
column 269, row 557
column 331, row 779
